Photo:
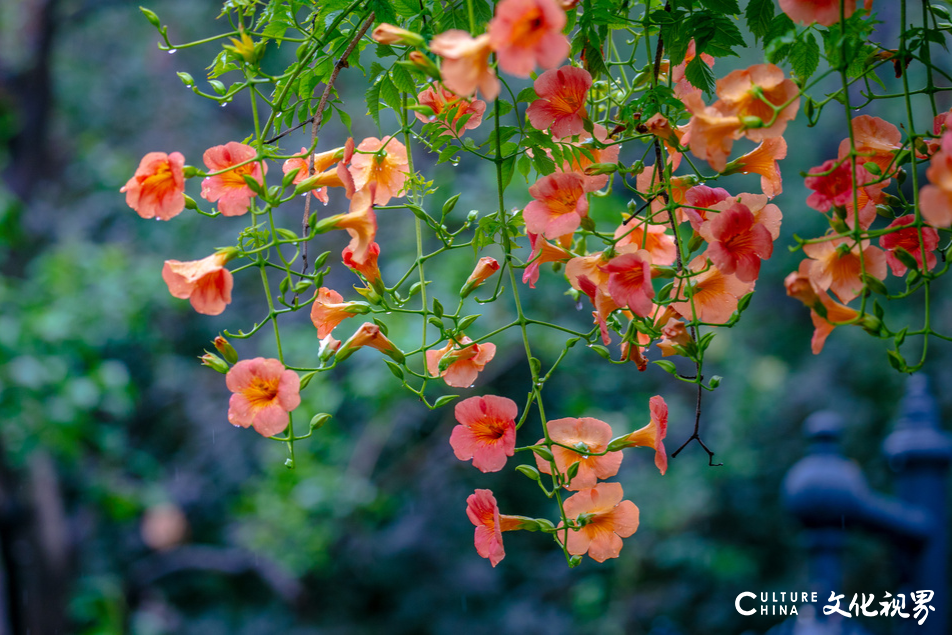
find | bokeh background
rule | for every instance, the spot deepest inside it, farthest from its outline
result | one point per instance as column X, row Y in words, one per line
column 128, row 504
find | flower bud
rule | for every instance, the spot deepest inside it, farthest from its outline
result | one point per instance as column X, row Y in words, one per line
column 484, row 269
column 215, row 363
column 390, row 34
column 596, row 169
column 752, row 121
column 424, row 64
column 226, row 349
column 151, row 17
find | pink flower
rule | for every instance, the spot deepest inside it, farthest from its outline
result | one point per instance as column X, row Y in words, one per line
column 589, row 435
column 607, row 519
column 681, row 84
column 754, row 92
column 653, row 434
column 382, row 162
column 321, row 162
column 449, row 108
column 836, row 188
column 710, row 132
column 542, row 252
column 368, row 268
column 459, row 364
column 652, row 238
column 762, row 160
column 578, row 164
column 704, row 197
column 486, row 432
column 561, row 103
column 559, row 205
column 229, row 188
column 465, row 64
column 836, row 265
column 206, row 283
column 629, row 281
column 876, row 140
column 483, row 512
column 825, row 12
column 908, row 239
column 369, row 334
column 585, row 274
column 714, row 294
column 360, row 223
column 484, row 268
column 737, row 242
column 935, row 199
column 265, row 392
column 525, row 33
column 329, row 309
column 157, row 190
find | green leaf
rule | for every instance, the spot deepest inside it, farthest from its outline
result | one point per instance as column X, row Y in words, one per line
column 372, row 96
column 508, row 167
column 805, row 56
column 700, row 75
column 403, row 80
column 389, row 93
column 601, row 350
column 527, row 95
column 759, row 13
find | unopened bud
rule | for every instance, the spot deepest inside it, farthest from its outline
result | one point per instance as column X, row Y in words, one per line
column 214, row 362
column 601, row 168
column 151, row 17
column 484, row 269
column 226, row 349
column 424, row 64
column 390, row 34
column 318, row 420
column 751, row 121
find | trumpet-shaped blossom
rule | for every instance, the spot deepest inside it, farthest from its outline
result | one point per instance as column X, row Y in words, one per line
column 935, row 199
column 389, row 34
column 714, row 294
column 157, row 189
column 652, row 238
column 229, row 188
column 836, row 314
column 368, row 268
column 877, row 141
column 559, row 206
column 833, row 186
column 766, row 214
column 561, row 103
column 674, row 333
column 607, row 519
column 483, row 511
column 329, row 309
column 205, row 283
column 448, row 108
column 837, row 267
column 704, row 197
column 321, row 162
column 908, row 239
column 762, row 160
column 527, row 33
column 629, row 281
column 710, row 132
column 653, row 434
column 264, row 393
column 825, row 12
column 465, row 64
column 585, row 434
column 484, row 268
column 801, row 285
column 369, row 334
column 755, row 92
column 542, row 252
column 459, row 363
column 382, row 162
column 586, row 274
column 737, row 242
column 486, row 432
column 360, row 223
